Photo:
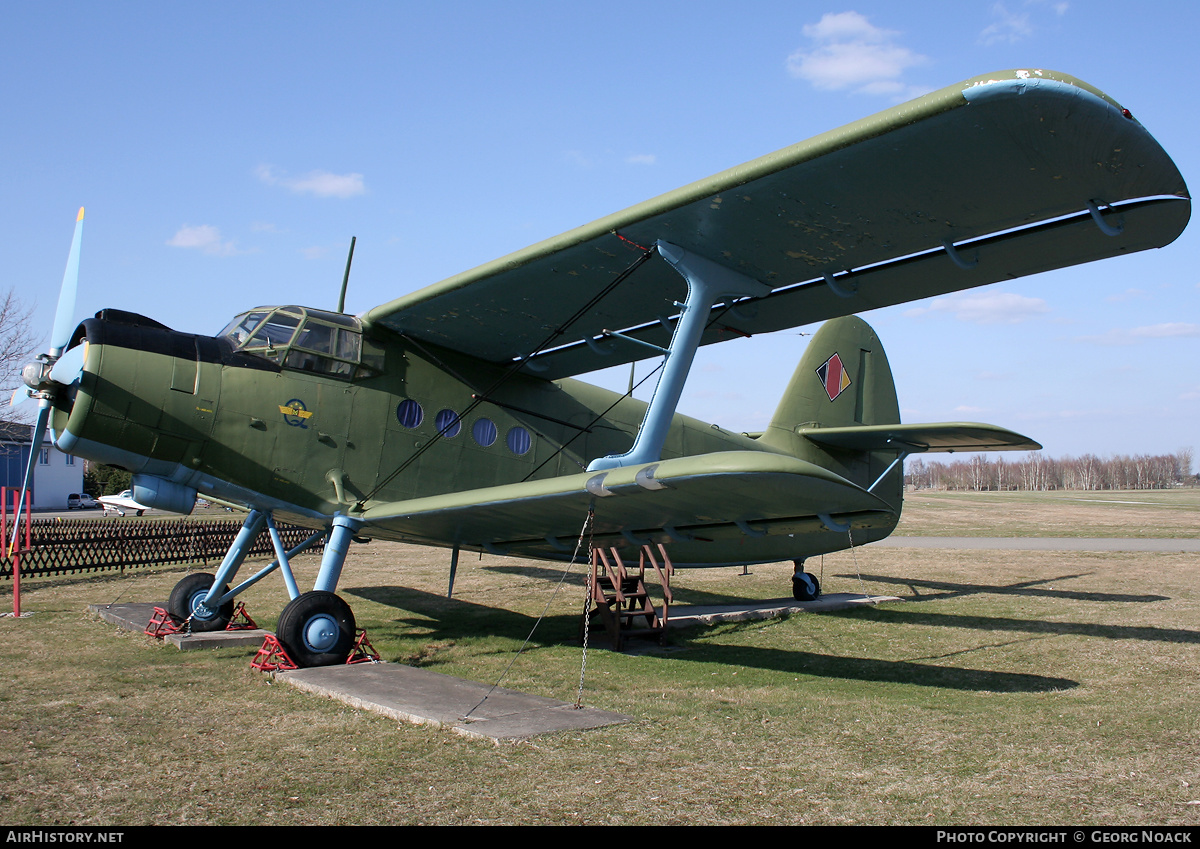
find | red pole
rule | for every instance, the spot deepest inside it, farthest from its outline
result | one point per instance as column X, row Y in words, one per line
column 13, row 551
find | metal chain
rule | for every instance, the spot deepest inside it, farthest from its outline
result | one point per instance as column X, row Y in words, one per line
column 858, row 572
column 587, row 601
column 562, row 578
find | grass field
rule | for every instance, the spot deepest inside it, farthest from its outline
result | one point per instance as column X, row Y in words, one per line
column 1008, row 687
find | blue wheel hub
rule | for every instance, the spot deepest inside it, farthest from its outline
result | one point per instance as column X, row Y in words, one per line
column 198, row 608
column 321, row 633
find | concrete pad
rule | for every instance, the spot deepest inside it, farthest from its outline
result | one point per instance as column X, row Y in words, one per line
column 401, row 692
column 470, row 708
column 135, row 616
column 684, row 616
column 429, row 698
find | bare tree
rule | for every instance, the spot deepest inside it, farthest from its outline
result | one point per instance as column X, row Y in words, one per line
column 17, row 340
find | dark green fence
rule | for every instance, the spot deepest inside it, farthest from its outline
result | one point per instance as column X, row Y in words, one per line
column 67, row 546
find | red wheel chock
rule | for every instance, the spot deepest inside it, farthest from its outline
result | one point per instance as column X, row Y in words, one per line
column 163, row 624
column 273, row 657
column 363, row 651
column 240, row 621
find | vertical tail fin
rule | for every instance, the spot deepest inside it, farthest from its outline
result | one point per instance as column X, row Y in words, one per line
column 842, row 380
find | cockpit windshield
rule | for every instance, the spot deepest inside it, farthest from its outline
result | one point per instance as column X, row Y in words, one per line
column 305, row 339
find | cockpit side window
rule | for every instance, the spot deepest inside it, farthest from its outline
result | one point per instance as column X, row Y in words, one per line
column 274, row 333
column 305, row 340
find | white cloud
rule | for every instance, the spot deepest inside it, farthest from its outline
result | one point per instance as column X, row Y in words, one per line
column 641, row 159
column 1128, row 295
column 204, row 237
column 1167, row 330
column 849, row 52
column 578, row 158
column 322, row 184
column 985, row 307
column 1010, row 27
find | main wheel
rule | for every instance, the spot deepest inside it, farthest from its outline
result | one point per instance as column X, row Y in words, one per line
column 805, row 587
column 317, row 629
column 185, row 601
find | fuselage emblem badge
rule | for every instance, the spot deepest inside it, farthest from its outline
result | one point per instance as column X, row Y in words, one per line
column 295, row 413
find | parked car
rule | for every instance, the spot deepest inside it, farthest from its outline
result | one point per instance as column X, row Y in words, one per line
column 81, row 501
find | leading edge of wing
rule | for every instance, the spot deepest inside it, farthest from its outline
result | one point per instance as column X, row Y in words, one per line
column 666, row 499
column 928, row 176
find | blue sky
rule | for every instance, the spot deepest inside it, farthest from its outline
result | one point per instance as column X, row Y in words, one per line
column 227, row 152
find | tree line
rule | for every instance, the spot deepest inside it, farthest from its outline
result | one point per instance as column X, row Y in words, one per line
column 1037, row 472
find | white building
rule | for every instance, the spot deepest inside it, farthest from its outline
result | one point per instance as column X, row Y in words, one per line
column 55, row 474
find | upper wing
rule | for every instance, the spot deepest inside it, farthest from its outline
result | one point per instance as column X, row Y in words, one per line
column 981, row 181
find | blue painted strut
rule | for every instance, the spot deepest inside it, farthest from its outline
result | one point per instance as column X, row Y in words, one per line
column 707, row 282
column 233, row 559
column 340, row 534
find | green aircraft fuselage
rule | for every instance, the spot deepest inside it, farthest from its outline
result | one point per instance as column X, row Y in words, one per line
column 310, row 424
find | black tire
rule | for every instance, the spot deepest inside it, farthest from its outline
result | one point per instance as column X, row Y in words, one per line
column 317, row 629
column 805, row 587
column 188, row 593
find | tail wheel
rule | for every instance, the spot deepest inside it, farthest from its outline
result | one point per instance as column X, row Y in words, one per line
column 186, row 598
column 317, row 629
column 805, row 587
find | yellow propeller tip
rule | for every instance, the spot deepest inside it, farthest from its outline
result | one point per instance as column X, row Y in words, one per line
column 79, row 217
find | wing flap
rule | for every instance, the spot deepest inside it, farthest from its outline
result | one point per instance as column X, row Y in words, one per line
column 965, row 163
column 917, row 438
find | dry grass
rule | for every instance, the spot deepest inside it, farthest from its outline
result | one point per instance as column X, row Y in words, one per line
column 1173, row 513
column 1010, row 687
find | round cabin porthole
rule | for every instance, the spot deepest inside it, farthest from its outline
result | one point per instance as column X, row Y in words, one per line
column 484, row 432
column 409, row 413
column 518, row 440
column 448, row 423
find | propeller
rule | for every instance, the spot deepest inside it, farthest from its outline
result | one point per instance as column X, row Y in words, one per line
column 51, row 369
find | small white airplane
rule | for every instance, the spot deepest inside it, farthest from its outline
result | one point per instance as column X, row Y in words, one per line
column 121, row 503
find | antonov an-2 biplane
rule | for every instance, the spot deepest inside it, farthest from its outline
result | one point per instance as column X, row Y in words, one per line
column 449, row 417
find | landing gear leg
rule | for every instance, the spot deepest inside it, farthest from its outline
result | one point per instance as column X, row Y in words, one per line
column 318, row 628
column 205, row 599
column 805, row 586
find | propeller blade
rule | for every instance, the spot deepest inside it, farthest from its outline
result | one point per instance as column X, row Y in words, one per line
column 64, row 315
column 20, row 396
column 69, row 366
column 39, row 431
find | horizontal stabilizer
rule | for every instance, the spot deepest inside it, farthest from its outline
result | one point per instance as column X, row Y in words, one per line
column 920, row 438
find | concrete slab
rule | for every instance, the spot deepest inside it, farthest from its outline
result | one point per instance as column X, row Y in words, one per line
column 135, row 616
column 684, row 616
column 401, row 692
column 429, row 698
column 420, row 696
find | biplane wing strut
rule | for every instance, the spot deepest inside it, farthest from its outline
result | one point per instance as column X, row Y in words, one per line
column 707, row 283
